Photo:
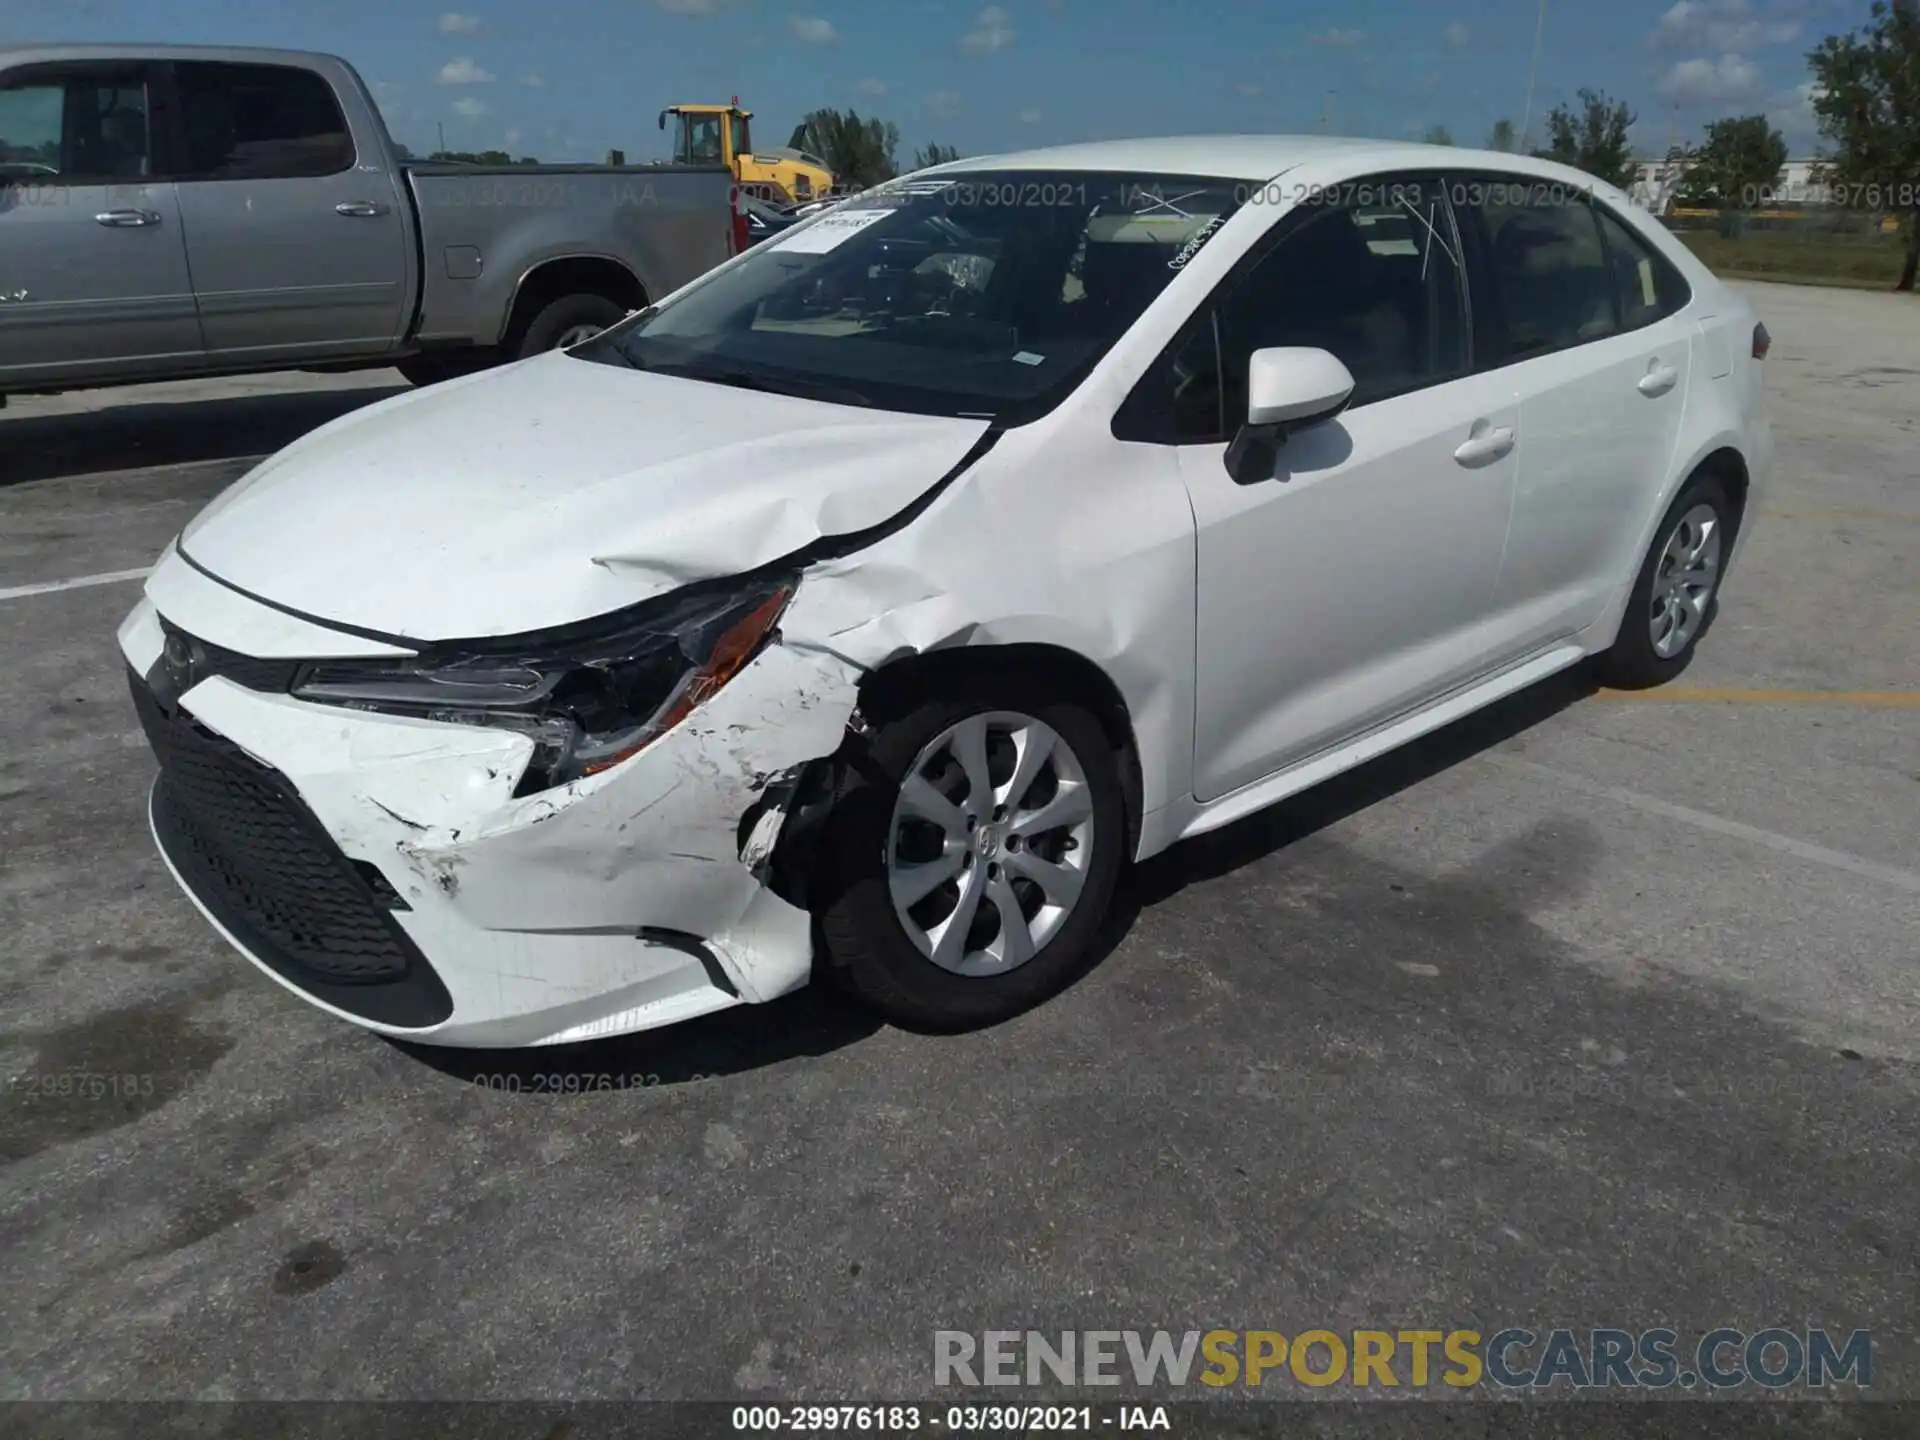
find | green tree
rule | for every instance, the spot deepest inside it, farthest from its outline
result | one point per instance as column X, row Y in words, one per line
column 1594, row 139
column 1439, row 135
column 935, row 155
column 1867, row 98
column 859, row 152
column 482, row 157
column 1503, row 137
column 1738, row 161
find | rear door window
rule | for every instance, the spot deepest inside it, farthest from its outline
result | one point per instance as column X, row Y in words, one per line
column 260, row 122
column 1646, row 283
column 1552, row 287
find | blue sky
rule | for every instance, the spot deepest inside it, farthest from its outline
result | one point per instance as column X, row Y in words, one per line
column 567, row 79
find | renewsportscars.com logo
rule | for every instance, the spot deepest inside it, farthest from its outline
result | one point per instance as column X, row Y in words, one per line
column 1518, row 1358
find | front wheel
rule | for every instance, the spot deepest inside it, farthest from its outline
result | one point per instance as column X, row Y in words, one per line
column 975, row 855
column 1675, row 595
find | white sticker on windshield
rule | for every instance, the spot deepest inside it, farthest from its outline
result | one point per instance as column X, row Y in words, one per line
column 832, row 229
column 1027, row 357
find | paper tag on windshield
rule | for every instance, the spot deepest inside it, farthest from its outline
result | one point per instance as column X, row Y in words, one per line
column 1648, row 296
column 832, row 229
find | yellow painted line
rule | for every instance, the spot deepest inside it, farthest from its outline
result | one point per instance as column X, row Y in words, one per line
column 1871, row 517
column 1849, row 699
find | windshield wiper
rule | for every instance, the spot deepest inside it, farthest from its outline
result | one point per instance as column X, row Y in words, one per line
column 804, row 389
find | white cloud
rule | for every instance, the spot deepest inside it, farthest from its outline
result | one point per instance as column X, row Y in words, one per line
column 462, row 71
column 1458, row 36
column 1791, row 113
column 992, row 30
column 510, row 139
column 1726, row 26
column 1030, row 116
column 812, row 29
column 1700, row 81
column 454, row 23
column 471, row 107
column 872, row 89
column 692, row 7
column 942, row 104
column 534, row 81
column 1337, row 38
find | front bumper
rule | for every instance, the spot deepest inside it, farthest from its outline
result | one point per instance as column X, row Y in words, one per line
column 381, row 868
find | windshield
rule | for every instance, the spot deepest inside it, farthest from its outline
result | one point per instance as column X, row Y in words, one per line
column 991, row 294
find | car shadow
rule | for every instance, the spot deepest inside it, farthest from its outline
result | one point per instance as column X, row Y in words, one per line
column 810, row 1022
column 1220, row 852
column 817, row 1020
column 169, row 432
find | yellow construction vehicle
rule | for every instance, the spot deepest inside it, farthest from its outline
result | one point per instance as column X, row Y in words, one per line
column 722, row 135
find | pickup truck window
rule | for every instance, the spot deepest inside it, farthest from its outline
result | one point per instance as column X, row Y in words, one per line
column 77, row 122
column 260, row 122
column 992, row 293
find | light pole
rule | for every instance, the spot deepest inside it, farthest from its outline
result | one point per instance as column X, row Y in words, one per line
column 1533, row 70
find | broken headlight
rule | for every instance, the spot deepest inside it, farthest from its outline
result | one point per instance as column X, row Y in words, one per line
column 587, row 695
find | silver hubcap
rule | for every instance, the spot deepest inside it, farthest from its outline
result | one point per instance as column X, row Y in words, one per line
column 1689, row 569
column 990, row 842
column 575, row 335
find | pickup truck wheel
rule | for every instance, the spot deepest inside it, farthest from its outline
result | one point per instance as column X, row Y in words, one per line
column 568, row 321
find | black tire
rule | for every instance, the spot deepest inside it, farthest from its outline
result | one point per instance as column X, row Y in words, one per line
column 1633, row 663
column 431, row 369
column 568, row 312
column 866, row 952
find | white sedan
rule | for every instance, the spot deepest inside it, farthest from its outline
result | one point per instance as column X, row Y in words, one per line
column 869, row 604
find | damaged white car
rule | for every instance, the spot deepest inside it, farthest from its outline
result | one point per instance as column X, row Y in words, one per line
column 868, row 604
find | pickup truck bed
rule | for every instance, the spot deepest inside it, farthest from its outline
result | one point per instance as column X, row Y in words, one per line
column 171, row 211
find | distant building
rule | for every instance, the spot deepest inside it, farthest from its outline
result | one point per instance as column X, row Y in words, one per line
column 1657, row 182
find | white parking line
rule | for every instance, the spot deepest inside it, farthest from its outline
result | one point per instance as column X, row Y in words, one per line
column 1784, row 844
column 78, row 582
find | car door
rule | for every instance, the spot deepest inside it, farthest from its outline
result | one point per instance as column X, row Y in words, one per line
column 296, row 241
column 1351, row 584
column 1582, row 318
column 93, row 268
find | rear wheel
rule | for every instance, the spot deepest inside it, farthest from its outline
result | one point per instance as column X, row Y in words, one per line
column 1675, row 595
column 975, row 856
column 568, row 320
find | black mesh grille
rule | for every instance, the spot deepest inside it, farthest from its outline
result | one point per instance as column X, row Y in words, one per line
column 253, row 854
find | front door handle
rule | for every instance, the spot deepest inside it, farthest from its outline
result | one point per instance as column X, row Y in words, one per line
column 127, row 219
column 1484, row 445
column 1659, row 379
column 359, row 208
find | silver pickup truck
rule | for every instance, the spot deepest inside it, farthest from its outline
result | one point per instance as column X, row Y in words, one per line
column 172, row 211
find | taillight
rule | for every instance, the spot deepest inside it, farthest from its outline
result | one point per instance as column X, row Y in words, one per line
column 738, row 233
column 1762, row 342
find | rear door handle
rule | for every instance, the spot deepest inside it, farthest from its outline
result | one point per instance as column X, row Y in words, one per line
column 1659, row 379
column 1485, row 445
column 359, row 208
column 127, row 219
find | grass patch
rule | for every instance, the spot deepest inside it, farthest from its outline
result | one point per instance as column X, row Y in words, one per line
column 1798, row 261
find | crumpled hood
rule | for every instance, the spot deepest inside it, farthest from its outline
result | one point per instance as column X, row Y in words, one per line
column 555, row 490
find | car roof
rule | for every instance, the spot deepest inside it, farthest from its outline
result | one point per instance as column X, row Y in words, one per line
column 1258, row 157
column 109, row 50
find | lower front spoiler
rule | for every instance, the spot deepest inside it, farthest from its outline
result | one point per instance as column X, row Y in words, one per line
column 670, row 978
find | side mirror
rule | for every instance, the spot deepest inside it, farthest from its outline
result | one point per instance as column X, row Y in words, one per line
column 1288, row 388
